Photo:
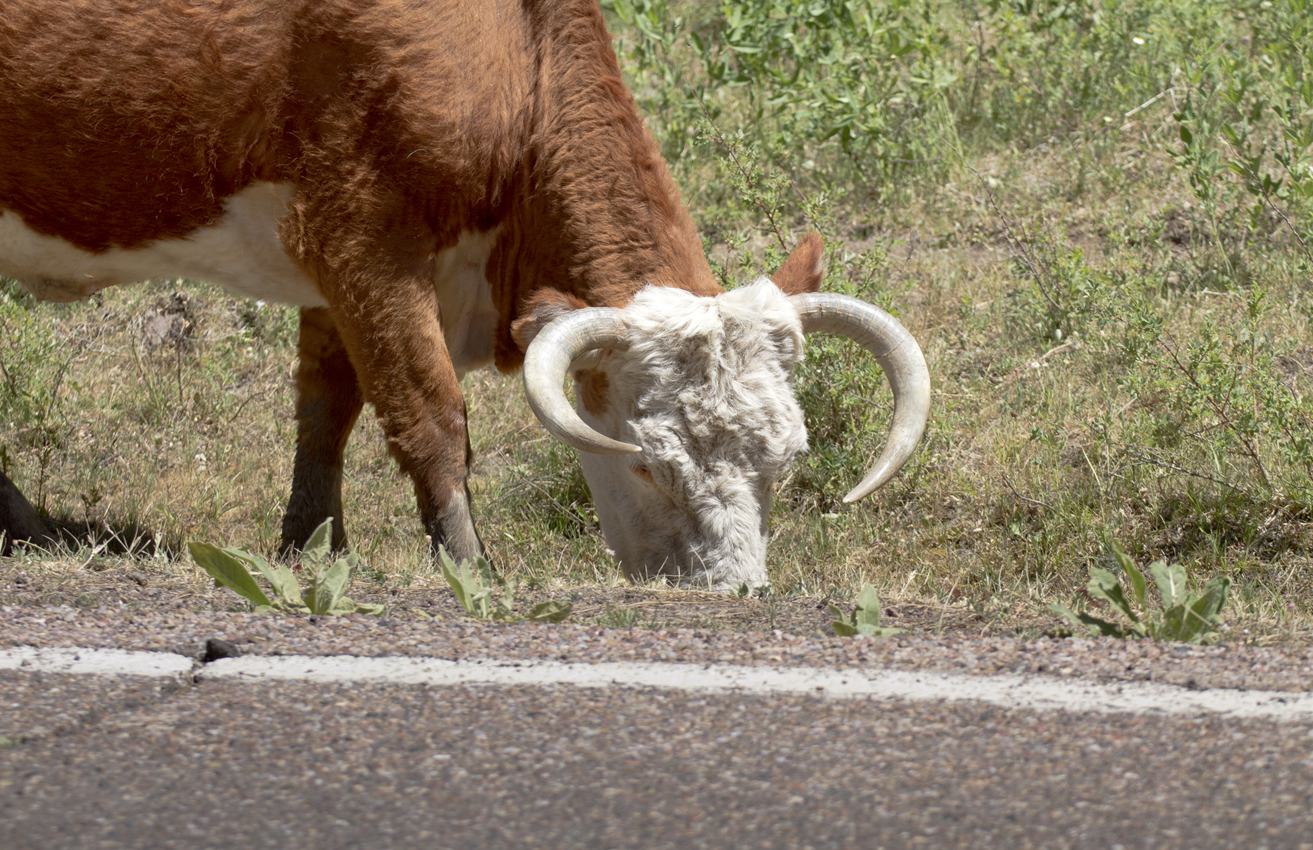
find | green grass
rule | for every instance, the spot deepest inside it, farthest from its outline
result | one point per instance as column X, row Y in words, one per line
column 1095, row 218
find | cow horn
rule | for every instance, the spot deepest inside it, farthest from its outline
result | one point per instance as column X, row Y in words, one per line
column 548, row 359
column 900, row 357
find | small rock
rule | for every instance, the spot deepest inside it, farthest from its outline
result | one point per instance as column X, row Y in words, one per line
column 216, row 648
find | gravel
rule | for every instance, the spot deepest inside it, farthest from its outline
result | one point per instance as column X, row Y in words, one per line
column 166, row 607
column 187, row 633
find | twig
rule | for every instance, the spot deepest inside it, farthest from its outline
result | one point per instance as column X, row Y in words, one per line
column 95, row 550
column 78, row 350
column 1221, row 413
column 1020, row 249
column 1162, row 464
column 1268, row 200
column 560, row 507
column 1035, row 502
column 801, row 195
column 720, row 139
column 1020, row 370
column 246, row 401
column 1160, row 95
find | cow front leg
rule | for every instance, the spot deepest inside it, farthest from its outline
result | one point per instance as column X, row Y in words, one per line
column 328, row 400
column 395, row 341
column 18, row 519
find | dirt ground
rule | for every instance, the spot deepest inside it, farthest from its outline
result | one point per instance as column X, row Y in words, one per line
column 161, row 584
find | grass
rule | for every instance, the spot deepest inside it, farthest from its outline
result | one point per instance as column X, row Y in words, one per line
column 1113, row 303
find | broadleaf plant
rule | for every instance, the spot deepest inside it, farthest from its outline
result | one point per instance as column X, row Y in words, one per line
column 1181, row 615
column 326, row 579
column 474, row 583
column 865, row 619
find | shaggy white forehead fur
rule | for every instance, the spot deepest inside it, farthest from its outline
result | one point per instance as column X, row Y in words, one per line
column 737, row 348
column 705, row 389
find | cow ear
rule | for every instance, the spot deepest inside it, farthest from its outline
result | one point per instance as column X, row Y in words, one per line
column 803, row 270
column 539, row 311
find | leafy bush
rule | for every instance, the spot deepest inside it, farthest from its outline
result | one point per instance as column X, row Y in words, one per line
column 866, row 77
column 1224, row 405
column 1248, row 116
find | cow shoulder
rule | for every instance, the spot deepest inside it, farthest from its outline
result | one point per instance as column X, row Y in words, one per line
column 539, row 311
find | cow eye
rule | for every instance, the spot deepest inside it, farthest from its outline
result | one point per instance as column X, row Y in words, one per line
column 642, row 472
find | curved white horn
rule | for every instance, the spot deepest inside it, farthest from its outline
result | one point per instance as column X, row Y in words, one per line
column 900, row 357
column 547, row 361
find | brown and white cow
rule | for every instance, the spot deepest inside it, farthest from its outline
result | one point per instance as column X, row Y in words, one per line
column 432, row 182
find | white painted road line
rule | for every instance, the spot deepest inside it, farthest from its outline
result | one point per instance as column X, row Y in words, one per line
column 101, row 662
column 1032, row 693
column 1036, row 693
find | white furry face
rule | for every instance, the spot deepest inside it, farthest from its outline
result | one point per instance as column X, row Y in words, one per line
column 705, row 390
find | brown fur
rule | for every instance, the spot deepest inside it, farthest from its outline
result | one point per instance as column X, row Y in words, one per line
column 593, row 387
column 400, row 125
column 540, row 311
column 328, row 402
column 804, row 269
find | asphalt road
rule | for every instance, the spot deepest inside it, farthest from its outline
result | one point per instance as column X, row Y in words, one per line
column 202, row 762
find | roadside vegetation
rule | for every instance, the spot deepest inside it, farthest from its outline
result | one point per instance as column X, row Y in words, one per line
column 1096, row 218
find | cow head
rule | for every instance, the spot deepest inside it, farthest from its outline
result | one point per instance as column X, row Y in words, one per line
column 686, row 415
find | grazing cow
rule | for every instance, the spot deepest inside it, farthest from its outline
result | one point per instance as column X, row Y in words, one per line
column 436, row 184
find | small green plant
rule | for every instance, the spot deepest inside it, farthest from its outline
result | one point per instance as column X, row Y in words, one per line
column 323, row 594
column 865, row 618
column 1184, row 615
column 619, row 618
column 474, row 583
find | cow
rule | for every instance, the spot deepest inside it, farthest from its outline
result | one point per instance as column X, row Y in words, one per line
column 437, row 185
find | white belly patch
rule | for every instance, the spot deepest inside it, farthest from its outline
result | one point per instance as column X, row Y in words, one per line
column 241, row 252
column 469, row 319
